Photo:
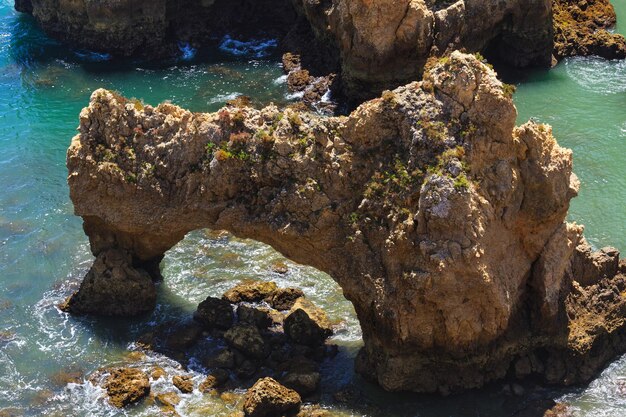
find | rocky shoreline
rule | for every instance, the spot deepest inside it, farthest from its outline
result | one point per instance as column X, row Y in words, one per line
column 363, row 47
column 275, row 341
column 443, row 223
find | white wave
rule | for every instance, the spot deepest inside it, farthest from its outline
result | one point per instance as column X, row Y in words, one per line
column 280, row 80
column 223, row 98
column 327, row 97
column 598, row 75
column 294, row 96
column 187, row 51
column 257, row 48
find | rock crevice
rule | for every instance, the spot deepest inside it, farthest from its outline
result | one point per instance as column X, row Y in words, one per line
column 442, row 221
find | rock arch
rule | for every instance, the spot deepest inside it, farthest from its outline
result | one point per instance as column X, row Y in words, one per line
column 442, row 222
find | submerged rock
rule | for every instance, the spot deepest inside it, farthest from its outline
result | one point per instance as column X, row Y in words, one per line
column 67, row 376
column 168, row 399
column 443, row 222
column 269, row 398
column 125, row 386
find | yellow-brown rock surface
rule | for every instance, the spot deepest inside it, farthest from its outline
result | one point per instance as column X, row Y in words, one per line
column 442, row 221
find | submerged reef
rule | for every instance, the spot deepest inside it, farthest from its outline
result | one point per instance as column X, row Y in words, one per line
column 443, row 222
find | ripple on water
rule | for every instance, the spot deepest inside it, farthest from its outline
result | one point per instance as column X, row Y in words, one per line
column 605, row 396
column 598, row 75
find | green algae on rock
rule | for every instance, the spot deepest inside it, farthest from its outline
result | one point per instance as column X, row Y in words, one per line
column 443, row 223
column 582, row 28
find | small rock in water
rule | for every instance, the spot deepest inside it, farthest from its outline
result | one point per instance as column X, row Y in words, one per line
column 248, row 340
column 168, row 399
column 250, row 291
column 559, row 410
column 240, row 101
column 269, row 398
column 215, row 312
column 284, row 298
column 157, row 372
column 215, row 379
column 11, row 412
column 135, row 356
column 230, row 397
column 184, row 383
column 126, row 386
column 307, row 324
column 183, row 337
column 41, row 398
column 6, row 337
column 280, row 267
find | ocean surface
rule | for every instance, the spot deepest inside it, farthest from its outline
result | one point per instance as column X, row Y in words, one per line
column 44, row 252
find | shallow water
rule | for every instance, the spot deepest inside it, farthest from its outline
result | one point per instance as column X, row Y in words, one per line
column 44, row 253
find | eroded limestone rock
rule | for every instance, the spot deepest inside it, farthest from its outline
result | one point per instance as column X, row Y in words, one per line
column 215, row 312
column 113, row 287
column 248, row 340
column 269, row 398
column 250, row 291
column 125, row 386
column 581, row 28
column 307, row 324
column 442, row 221
column 385, row 43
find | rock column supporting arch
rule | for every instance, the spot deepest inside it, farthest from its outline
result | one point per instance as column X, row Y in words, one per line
column 443, row 223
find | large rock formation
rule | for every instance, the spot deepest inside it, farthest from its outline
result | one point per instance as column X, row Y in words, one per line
column 380, row 44
column 153, row 28
column 443, row 223
column 580, row 28
column 385, row 43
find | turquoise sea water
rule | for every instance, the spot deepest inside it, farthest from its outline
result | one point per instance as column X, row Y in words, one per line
column 44, row 253
column 584, row 99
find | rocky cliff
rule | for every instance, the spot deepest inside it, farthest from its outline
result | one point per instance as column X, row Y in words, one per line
column 581, row 28
column 385, row 43
column 374, row 44
column 152, row 29
column 442, row 221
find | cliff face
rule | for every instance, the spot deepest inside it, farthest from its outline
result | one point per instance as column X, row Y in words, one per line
column 381, row 43
column 442, row 222
column 385, row 43
column 153, row 28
